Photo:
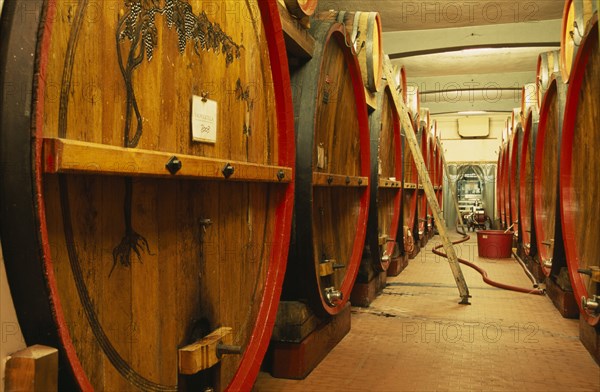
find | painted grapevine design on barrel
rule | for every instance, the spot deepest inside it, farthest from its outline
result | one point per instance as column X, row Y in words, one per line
column 138, row 26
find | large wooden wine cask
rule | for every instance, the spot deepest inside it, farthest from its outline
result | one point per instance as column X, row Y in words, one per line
column 577, row 15
column 500, row 186
column 401, row 83
column 432, row 170
column 526, row 211
column 413, row 102
column 505, row 182
column 547, row 64
column 426, row 123
column 580, row 178
column 366, row 35
column 410, row 192
column 150, row 201
column 514, row 159
column 424, row 139
column 546, row 178
column 332, row 173
column 515, row 119
column 386, row 182
column 439, row 164
column 528, row 99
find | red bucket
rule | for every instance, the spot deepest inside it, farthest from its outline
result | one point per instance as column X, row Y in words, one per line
column 494, row 244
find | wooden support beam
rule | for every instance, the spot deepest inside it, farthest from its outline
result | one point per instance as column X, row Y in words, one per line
column 298, row 41
column 329, row 179
column 410, row 185
column 427, row 185
column 71, row 156
column 388, row 183
column 32, row 369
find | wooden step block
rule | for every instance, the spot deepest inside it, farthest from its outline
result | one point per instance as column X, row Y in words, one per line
column 590, row 338
column 297, row 360
column 32, row 369
column 564, row 301
column 537, row 271
column 415, row 251
column 397, row 265
column 423, row 240
column 430, row 233
column 295, row 321
column 364, row 293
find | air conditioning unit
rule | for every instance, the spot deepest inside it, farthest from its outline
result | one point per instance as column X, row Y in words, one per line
column 474, row 127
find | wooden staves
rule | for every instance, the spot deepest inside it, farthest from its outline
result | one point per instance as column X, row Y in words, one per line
column 505, row 184
column 439, row 171
column 409, row 196
column 413, row 101
column 514, row 159
column 112, row 255
column 366, row 36
column 332, row 139
column 528, row 99
column 400, row 79
column 422, row 209
column 500, row 186
column 547, row 64
column 579, row 176
column 526, row 211
column 568, row 48
column 386, row 181
column 432, row 174
column 546, row 179
column 577, row 15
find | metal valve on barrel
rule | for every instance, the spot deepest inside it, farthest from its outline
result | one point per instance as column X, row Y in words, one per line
column 333, row 296
column 592, row 305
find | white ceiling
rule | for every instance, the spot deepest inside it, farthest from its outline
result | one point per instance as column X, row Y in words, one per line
column 449, row 46
column 435, row 14
column 473, row 61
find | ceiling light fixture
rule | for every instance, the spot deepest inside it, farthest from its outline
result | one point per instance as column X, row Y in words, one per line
column 472, row 113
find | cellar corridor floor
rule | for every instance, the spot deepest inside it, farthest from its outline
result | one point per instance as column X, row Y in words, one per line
column 415, row 337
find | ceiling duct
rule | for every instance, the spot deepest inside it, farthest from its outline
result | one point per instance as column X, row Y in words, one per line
column 474, row 127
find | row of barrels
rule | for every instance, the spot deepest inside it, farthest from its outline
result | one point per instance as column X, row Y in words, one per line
column 548, row 171
column 157, row 189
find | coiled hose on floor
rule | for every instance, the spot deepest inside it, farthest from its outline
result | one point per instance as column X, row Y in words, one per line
column 483, row 272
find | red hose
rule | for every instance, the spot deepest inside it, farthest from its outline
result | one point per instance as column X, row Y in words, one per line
column 484, row 273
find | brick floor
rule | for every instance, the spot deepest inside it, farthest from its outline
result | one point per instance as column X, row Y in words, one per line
column 416, row 337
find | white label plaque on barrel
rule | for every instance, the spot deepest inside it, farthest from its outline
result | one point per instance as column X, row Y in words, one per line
column 204, row 120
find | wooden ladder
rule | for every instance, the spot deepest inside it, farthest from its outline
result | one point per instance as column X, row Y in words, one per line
column 427, row 185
